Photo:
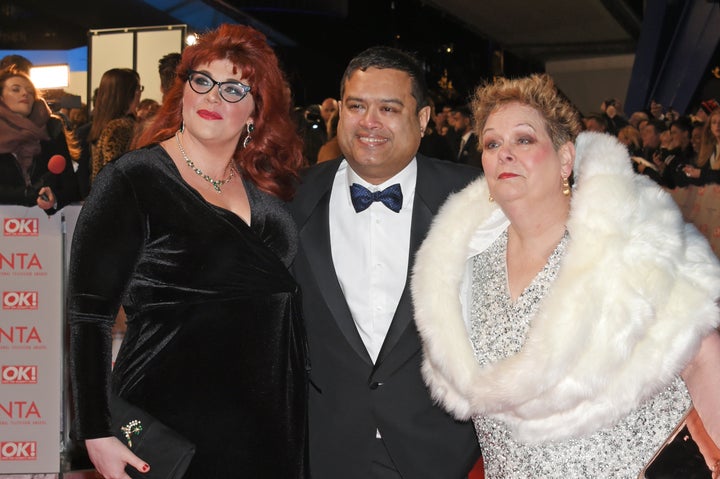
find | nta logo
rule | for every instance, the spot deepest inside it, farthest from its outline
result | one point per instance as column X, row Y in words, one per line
column 20, row 261
column 20, row 226
column 19, row 410
column 20, row 335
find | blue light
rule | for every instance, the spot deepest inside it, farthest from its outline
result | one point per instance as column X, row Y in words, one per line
column 76, row 58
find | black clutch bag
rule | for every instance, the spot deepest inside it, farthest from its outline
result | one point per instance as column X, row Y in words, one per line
column 167, row 452
column 682, row 456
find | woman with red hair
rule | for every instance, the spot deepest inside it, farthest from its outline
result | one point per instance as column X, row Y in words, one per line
column 190, row 235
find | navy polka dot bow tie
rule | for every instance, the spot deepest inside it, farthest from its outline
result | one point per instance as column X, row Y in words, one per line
column 362, row 198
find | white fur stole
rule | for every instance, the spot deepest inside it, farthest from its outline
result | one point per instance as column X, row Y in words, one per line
column 635, row 294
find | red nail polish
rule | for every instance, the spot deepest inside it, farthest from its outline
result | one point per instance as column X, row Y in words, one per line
column 145, row 468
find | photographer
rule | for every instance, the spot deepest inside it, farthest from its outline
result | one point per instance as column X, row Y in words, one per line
column 312, row 130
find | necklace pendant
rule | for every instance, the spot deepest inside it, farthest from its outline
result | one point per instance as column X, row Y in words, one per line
column 216, row 184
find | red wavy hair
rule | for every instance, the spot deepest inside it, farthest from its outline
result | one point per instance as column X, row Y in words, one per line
column 274, row 156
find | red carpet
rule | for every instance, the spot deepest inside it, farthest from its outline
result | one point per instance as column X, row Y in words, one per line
column 477, row 472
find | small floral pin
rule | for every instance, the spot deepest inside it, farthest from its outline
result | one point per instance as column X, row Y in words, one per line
column 133, row 427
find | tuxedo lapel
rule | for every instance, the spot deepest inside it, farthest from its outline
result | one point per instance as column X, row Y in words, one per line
column 315, row 238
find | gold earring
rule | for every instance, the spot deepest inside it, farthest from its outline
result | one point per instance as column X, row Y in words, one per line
column 491, row 199
column 566, row 187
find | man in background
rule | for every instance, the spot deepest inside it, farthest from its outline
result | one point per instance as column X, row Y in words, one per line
column 467, row 146
column 167, row 68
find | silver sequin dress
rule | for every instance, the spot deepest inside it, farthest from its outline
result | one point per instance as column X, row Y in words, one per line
column 498, row 330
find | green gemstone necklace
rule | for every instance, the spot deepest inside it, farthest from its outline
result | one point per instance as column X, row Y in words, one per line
column 215, row 183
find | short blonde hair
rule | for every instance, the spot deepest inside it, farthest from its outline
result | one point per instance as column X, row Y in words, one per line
column 562, row 119
column 633, row 134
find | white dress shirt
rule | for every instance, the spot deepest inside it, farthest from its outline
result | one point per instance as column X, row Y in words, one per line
column 370, row 252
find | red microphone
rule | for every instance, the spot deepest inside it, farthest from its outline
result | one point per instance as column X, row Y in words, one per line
column 56, row 165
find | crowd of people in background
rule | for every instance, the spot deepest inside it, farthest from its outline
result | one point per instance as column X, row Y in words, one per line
column 87, row 140
column 34, row 144
column 674, row 150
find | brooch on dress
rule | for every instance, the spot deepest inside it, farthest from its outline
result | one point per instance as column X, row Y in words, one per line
column 133, row 427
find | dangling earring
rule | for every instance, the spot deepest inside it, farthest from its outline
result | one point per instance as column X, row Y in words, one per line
column 566, row 187
column 491, row 199
column 182, row 126
column 248, row 138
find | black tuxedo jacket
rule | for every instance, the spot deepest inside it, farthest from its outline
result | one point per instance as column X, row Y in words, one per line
column 350, row 397
column 470, row 155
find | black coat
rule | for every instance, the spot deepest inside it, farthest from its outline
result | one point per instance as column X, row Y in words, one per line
column 470, row 155
column 13, row 190
column 435, row 145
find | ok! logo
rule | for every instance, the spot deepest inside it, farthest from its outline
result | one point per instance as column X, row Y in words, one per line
column 15, row 300
column 18, row 451
column 20, row 227
column 19, row 374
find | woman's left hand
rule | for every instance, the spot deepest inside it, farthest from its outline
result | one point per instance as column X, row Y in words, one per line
column 50, row 202
column 704, row 442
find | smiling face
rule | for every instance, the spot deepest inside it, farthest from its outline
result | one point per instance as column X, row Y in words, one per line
column 380, row 128
column 210, row 118
column 519, row 158
column 18, row 94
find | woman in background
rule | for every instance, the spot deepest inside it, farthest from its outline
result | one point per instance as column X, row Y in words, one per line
column 707, row 169
column 113, row 123
column 29, row 137
column 630, row 137
column 574, row 325
column 190, row 234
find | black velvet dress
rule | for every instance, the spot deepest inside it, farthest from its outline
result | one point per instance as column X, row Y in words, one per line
column 214, row 345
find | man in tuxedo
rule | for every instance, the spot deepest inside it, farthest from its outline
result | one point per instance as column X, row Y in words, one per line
column 467, row 147
column 361, row 218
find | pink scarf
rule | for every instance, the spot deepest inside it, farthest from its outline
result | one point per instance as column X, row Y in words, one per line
column 22, row 135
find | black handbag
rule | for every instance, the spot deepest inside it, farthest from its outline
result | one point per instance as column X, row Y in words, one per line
column 167, row 452
column 680, row 457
